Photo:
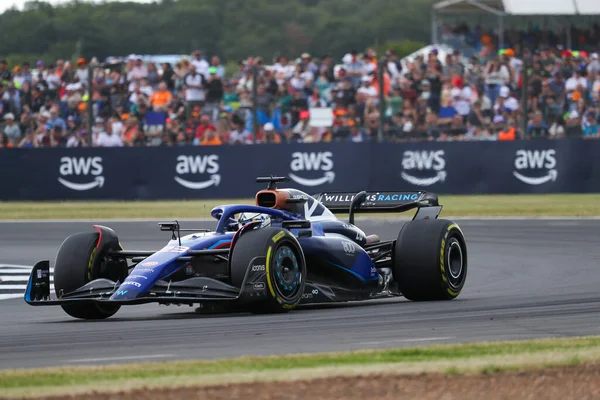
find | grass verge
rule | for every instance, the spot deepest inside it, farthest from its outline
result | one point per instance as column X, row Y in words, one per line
column 567, row 205
column 450, row 359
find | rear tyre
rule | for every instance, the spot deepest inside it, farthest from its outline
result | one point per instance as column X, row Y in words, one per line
column 285, row 267
column 430, row 260
column 79, row 262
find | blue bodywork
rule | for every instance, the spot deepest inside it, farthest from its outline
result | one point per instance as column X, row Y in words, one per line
column 340, row 262
column 166, row 261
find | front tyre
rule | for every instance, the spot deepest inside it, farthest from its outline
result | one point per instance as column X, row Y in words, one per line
column 430, row 260
column 80, row 260
column 285, row 267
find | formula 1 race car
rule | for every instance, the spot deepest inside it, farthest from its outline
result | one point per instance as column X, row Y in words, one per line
column 286, row 250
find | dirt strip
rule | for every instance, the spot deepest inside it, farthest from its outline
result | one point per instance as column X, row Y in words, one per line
column 579, row 382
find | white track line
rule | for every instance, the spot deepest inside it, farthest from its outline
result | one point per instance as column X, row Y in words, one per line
column 19, row 268
column 13, row 287
column 22, row 271
column 429, row 339
column 16, row 278
column 22, row 287
column 86, row 360
column 11, row 296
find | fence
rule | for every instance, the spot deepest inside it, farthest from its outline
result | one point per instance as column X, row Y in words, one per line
column 228, row 172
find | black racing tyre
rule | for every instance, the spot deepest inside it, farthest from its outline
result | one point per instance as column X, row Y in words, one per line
column 79, row 262
column 430, row 260
column 285, row 267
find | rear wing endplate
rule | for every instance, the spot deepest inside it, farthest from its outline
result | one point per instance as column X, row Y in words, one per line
column 381, row 202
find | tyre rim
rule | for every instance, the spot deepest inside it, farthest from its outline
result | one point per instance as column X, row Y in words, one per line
column 455, row 261
column 286, row 271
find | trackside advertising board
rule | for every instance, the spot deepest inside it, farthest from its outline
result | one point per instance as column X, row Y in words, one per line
column 212, row 172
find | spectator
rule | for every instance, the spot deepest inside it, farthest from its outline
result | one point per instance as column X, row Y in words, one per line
column 354, row 67
column 27, row 123
column 508, row 131
column 82, row 75
column 357, row 135
column 26, row 73
column 12, row 100
column 152, row 76
column 168, row 76
column 99, row 129
column 366, row 88
column 270, row 136
column 107, row 138
column 130, row 132
column 290, row 137
column 5, row 75
column 496, row 76
column 431, row 97
column 457, row 128
column 214, row 93
column 194, row 90
column 17, row 78
column 162, row 99
column 29, row 141
column 239, row 136
column 215, row 63
column 116, row 125
column 590, row 126
column 77, row 139
column 506, row 102
column 573, row 124
column 204, row 126
column 4, row 142
column 138, row 70
column 11, row 130
column 557, row 129
column 211, row 138
column 200, row 64
column 537, row 129
column 55, row 120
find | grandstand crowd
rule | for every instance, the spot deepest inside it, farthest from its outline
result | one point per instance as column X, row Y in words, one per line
column 195, row 102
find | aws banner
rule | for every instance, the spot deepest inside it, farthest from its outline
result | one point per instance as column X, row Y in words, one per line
column 229, row 172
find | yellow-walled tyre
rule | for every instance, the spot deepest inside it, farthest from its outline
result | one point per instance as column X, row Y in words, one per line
column 284, row 266
column 430, row 260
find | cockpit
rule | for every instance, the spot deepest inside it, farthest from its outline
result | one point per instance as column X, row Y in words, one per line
column 289, row 200
column 295, row 202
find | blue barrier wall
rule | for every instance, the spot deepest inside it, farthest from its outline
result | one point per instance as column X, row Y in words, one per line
column 193, row 172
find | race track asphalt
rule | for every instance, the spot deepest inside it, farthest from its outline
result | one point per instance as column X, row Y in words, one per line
column 526, row 279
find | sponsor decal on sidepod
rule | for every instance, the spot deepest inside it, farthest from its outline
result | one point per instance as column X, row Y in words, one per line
column 348, row 246
column 311, row 294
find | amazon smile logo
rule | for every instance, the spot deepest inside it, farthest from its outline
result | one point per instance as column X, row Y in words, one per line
column 80, row 168
column 423, row 168
column 198, row 165
column 528, row 161
column 319, row 162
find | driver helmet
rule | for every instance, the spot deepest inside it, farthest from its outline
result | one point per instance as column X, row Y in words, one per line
column 246, row 218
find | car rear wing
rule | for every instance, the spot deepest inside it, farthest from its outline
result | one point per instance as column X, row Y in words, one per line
column 381, row 202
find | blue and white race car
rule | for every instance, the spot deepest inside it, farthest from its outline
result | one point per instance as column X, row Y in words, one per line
column 287, row 249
